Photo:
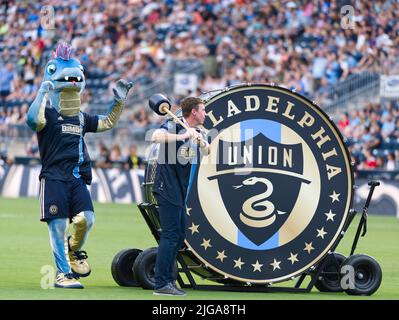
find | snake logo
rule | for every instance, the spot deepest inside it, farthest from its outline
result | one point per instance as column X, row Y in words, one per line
column 272, row 197
column 250, row 214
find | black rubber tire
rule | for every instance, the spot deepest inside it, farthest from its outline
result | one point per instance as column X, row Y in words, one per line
column 122, row 267
column 368, row 274
column 144, row 268
column 331, row 281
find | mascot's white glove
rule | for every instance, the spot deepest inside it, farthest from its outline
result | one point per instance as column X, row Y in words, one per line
column 120, row 91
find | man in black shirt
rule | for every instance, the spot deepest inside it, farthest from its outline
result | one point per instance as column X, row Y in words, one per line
column 178, row 149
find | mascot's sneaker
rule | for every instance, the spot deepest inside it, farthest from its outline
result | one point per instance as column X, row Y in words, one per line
column 67, row 281
column 78, row 262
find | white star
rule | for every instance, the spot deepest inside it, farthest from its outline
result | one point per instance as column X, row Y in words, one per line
column 188, row 210
column 206, row 243
column 293, row 258
column 308, row 247
column 321, row 233
column 275, row 264
column 257, row 266
column 330, row 215
column 194, row 228
column 334, row 196
column 221, row 256
column 238, row 263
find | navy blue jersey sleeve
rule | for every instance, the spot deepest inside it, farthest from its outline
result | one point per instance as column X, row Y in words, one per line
column 171, row 127
column 164, row 126
column 91, row 123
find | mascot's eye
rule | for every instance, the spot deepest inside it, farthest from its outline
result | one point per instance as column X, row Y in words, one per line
column 51, row 69
column 81, row 68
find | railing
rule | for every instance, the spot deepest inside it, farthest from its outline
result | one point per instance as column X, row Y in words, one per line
column 357, row 86
column 378, row 174
column 15, row 131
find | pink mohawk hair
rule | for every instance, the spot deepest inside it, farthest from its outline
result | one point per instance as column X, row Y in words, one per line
column 63, row 51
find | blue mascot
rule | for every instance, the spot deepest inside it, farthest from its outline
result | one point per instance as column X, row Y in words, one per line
column 60, row 125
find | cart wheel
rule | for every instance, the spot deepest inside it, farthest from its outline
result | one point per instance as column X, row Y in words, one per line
column 367, row 275
column 144, row 268
column 122, row 267
column 330, row 278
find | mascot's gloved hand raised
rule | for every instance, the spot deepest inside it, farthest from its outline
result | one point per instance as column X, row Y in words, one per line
column 122, row 89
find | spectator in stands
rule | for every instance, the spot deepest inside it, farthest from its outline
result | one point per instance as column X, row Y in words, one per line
column 3, row 126
column 134, row 161
column 22, row 113
column 369, row 162
column 7, row 74
column 396, row 159
column 319, row 67
column 391, row 163
column 380, row 162
column 388, row 127
column 4, row 159
column 116, row 154
column 355, row 163
column 374, row 137
column 396, row 133
column 140, row 119
column 343, row 122
column 333, row 69
column 29, row 72
column 354, row 119
column 103, row 160
column 32, row 148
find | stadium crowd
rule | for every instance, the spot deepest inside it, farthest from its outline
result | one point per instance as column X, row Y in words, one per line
column 372, row 135
column 306, row 45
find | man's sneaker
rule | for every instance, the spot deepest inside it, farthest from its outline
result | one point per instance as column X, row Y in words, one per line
column 67, row 281
column 78, row 262
column 174, row 285
column 169, row 290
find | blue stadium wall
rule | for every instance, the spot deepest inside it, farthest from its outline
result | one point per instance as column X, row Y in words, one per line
column 122, row 186
column 108, row 185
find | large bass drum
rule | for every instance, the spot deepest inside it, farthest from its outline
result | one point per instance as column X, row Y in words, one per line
column 270, row 201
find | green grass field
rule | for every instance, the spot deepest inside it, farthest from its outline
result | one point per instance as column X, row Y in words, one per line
column 25, row 249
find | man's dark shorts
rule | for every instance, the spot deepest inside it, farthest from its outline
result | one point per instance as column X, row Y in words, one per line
column 63, row 199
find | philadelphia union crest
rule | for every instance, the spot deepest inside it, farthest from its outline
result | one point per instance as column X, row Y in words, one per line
column 272, row 197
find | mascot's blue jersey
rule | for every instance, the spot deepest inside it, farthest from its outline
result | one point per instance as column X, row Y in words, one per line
column 62, row 149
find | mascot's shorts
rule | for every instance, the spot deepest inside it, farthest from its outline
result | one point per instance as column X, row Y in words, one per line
column 63, row 199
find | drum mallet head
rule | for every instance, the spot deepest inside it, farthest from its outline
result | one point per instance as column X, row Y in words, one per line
column 158, row 103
